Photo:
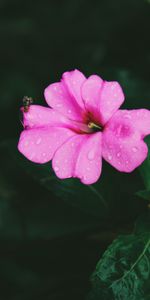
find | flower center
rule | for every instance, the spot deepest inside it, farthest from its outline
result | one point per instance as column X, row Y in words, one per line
column 89, row 127
column 94, row 126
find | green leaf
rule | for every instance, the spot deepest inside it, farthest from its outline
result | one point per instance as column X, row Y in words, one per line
column 123, row 272
column 145, row 194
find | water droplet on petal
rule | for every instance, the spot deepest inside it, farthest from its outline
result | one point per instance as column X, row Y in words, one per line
column 127, row 116
column 127, row 162
column 59, row 105
column 118, row 154
column 44, row 154
column 56, row 168
column 109, row 157
column 91, row 154
column 38, row 141
column 134, row 149
column 69, row 111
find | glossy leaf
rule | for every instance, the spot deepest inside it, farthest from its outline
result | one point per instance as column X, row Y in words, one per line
column 123, row 272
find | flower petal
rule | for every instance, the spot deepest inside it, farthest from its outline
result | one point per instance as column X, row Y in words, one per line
column 74, row 80
column 89, row 162
column 102, row 98
column 40, row 144
column 65, row 96
column 79, row 157
column 39, row 116
column 65, row 157
column 91, row 91
column 122, row 144
column 140, row 119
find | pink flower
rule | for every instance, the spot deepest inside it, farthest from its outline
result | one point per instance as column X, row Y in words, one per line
column 82, row 125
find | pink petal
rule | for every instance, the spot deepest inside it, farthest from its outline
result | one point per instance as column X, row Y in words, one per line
column 122, row 144
column 39, row 116
column 40, row 144
column 74, row 80
column 91, row 91
column 79, row 157
column 64, row 159
column 89, row 162
column 61, row 96
column 140, row 119
column 111, row 99
column 102, row 98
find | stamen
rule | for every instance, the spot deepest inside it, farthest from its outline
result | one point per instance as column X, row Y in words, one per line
column 94, row 126
column 82, row 127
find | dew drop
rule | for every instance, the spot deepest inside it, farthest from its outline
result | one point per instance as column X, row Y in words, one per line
column 91, row 154
column 38, row 141
column 69, row 111
column 109, row 157
column 118, row 154
column 44, row 154
column 134, row 149
column 56, row 168
column 59, row 105
column 127, row 116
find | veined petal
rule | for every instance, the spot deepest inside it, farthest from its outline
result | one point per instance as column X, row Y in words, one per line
column 65, row 157
column 40, row 144
column 140, row 119
column 74, row 80
column 102, row 98
column 65, row 96
column 122, row 144
column 39, row 116
column 89, row 162
column 79, row 157
column 91, row 91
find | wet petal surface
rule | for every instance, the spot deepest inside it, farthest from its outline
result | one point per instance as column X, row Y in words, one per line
column 122, row 142
column 40, row 144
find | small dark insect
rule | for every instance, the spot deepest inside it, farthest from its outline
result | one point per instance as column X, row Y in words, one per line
column 27, row 101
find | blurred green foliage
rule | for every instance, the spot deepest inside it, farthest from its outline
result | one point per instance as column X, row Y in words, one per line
column 53, row 232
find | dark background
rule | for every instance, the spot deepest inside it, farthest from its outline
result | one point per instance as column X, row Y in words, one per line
column 49, row 244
